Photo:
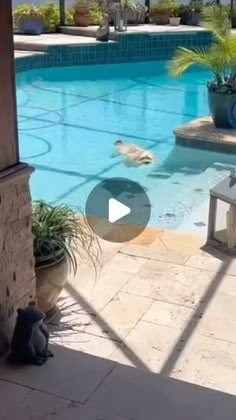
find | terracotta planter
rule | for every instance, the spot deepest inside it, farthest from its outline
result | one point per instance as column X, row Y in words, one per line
column 223, row 109
column 82, row 18
column 51, row 276
column 161, row 18
column 174, row 21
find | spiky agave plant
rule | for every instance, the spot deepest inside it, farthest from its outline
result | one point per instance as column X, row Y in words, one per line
column 59, row 228
column 220, row 58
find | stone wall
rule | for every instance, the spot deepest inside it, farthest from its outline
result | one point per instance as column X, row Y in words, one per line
column 17, row 277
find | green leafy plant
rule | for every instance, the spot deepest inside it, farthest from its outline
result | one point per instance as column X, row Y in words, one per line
column 96, row 13
column 220, row 58
column 51, row 16
column 162, row 6
column 82, row 6
column 128, row 4
column 26, row 10
column 123, row 5
column 196, row 6
column 174, row 10
column 59, row 228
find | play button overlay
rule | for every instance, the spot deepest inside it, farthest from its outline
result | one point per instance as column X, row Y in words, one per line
column 118, row 209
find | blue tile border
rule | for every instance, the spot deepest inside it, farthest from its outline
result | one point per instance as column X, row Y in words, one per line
column 128, row 48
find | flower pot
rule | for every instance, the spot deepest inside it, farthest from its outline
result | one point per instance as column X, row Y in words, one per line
column 194, row 19
column 81, row 18
column 31, row 25
column 223, row 109
column 51, row 275
column 233, row 20
column 184, row 17
column 174, row 21
column 161, row 18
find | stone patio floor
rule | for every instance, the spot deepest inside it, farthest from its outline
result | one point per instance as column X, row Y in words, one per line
column 163, row 303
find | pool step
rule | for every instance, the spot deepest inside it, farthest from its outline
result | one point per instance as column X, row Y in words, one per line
column 188, row 191
column 162, row 175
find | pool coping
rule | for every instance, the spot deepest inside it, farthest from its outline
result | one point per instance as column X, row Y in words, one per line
column 67, row 50
column 202, row 133
column 141, row 29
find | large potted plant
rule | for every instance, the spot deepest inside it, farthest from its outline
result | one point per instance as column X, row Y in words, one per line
column 81, row 13
column 160, row 12
column 184, row 14
column 136, row 15
column 174, row 19
column 194, row 17
column 233, row 16
column 220, row 59
column 60, row 237
column 51, row 17
column 28, row 19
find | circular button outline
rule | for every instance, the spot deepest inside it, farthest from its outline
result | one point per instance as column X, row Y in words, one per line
column 127, row 192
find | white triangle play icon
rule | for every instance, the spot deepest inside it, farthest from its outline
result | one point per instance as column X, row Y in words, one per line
column 117, row 210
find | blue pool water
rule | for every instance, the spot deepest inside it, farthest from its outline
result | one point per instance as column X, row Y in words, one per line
column 69, row 118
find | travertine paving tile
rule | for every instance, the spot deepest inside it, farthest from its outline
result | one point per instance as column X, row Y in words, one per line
column 208, row 362
column 141, row 395
column 168, row 314
column 97, row 292
column 150, row 342
column 170, row 282
column 154, row 253
column 226, row 265
column 83, row 342
column 41, row 406
column 121, row 315
column 219, row 318
column 126, row 263
column 69, row 374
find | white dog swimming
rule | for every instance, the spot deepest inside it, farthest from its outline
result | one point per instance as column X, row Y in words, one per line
column 133, row 155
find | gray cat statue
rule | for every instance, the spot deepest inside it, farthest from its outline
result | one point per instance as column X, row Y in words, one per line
column 103, row 30
column 29, row 343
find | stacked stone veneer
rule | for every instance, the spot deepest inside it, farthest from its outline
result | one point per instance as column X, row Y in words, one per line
column 17, row 277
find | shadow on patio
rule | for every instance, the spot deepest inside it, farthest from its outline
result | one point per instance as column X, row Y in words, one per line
column 75, row 385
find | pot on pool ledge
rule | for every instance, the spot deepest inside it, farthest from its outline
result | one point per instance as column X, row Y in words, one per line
column 222, row 108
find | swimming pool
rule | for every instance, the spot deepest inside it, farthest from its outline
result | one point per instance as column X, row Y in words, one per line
column 69, row 118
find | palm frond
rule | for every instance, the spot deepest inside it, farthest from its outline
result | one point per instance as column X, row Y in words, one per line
column 220, row 58
column 184, row 58
column 216, row 20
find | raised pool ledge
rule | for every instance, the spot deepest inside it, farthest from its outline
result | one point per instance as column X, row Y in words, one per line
column 202, row 133
column 74, row 50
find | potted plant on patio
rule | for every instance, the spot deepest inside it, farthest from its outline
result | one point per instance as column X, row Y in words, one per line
column 220, row 59
column 28, row 19
column 136, row 16
column 233, row 16
column 59, row 237
column 51, row 17
column 81, row 13
column 194, row 17
column 160, row 12
column 184, row 14
column 174, row 19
